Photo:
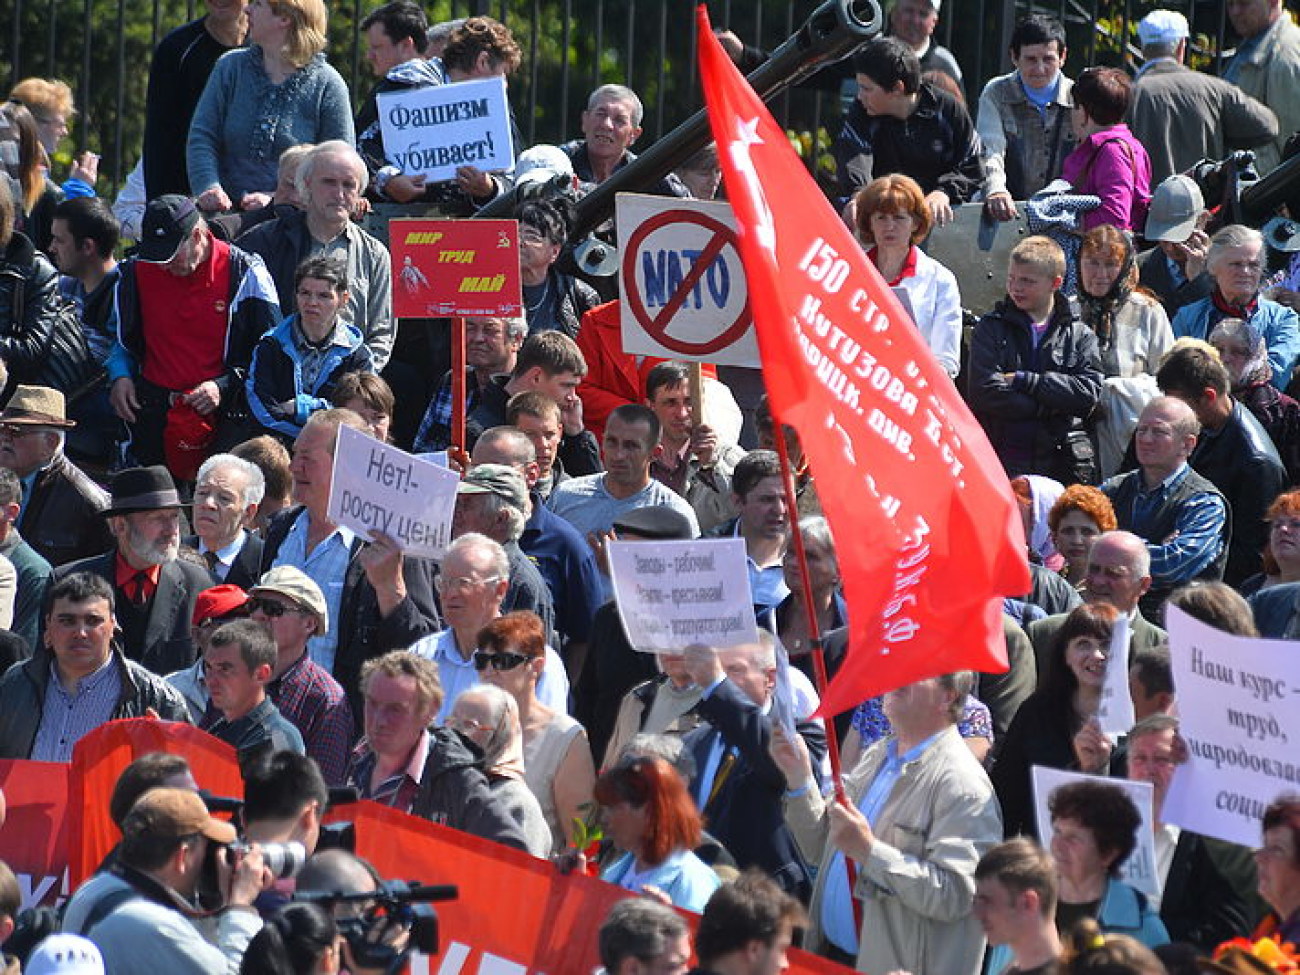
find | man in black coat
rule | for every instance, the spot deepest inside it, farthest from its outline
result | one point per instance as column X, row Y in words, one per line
column 154, row 591
column 737, row 785
column 226, row 496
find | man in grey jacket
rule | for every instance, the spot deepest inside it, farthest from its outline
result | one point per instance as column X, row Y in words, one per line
column 142, row 912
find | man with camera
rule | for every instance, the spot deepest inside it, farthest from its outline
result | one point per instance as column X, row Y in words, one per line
column 144, row 914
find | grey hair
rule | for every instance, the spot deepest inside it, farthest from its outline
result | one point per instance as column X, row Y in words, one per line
column 471, row 541
column 256, row 489
column 959, row 684
column 617, row 93
column 333, row 147
column 1233, row 235
column 494, row 504
column 507, row 442
column 516, row 327
column 671, row 748
column 500, row 706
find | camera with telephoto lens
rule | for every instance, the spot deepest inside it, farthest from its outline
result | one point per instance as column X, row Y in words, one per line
column 395, row 907
column 282, row 859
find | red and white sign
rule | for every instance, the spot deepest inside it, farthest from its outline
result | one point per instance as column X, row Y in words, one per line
column 684, row 292
column 443, row 268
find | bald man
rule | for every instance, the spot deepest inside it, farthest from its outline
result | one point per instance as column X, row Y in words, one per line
column 1181, row 516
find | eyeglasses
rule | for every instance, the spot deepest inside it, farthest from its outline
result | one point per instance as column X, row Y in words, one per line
column 270, row 608
column 464, row 725
column 499, row 661
column 461, row 584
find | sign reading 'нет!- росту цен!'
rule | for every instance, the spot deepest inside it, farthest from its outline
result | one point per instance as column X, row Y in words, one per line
column 455, row 267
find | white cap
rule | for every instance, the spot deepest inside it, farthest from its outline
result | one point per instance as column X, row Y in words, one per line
column 542, row 163
column 65, row 954
column 1162, row 27
column 1175, row 207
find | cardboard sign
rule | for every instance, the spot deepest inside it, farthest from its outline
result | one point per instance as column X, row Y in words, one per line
column 674, row 594
column 1139, row 870
column 1115, row 710
column 684, row 294
column 380, row 488
column 1237, row 712
column 455, row 267
column 433, row 131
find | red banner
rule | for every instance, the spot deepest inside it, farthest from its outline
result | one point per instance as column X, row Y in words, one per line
column 443, row 268
column 927, row 529
column 515, row 913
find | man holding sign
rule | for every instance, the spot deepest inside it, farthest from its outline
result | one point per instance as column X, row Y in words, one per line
column 381, row 600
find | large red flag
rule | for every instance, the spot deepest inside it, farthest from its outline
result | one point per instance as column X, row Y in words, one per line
column 926, row 528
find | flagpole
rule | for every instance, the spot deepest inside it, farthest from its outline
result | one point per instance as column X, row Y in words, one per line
column 820, row 679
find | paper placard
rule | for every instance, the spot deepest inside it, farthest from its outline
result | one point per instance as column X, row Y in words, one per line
column 376, row 487
column 1139, row 870
column 674, row 594
column 433, row 131
column 1238, row 714
column 1115, row 710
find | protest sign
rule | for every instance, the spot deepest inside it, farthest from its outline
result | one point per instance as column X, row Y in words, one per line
column 1139, row 870
column 673, row 594
column 683, row 284
column 455, row 267
column 433, row 131
column 1237, row 713
column 1115, row 709
column 380, row 488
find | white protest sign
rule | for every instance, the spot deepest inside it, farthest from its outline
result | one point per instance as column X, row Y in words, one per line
column 673, row 594
column 1115, row 709
column 376, row 487
column 1139, row 870
column 1237, row 712
column 683, row 290
column 432, row 131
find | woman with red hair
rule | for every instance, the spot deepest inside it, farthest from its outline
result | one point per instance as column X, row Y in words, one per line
column 1282, row 550
column 558, row 766
column 1080, row 514
column 649, row 815
column 892, row 219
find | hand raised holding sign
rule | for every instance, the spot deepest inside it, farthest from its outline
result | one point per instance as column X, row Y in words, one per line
column 381, row 558
column 703, row 665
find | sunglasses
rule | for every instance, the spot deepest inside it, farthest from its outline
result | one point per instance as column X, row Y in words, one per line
column 270, row 608
column 499, row 661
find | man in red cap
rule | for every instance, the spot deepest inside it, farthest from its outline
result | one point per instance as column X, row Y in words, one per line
column 214, row 606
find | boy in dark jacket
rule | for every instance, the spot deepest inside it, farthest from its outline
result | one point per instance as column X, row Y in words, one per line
column 1035, row 371
column 296, row 365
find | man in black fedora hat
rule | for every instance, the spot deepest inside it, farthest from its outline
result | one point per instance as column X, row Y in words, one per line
column 154, row 591
column 190, row 309
column 60, row 513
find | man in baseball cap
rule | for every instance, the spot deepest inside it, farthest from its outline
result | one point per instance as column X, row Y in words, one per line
column 1174, row 270
column 290, row 604
column 214, row 606
column 140, row 913
column 1184, row 116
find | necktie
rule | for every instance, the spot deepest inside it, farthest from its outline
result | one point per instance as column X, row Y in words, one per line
column 134, row 588
column 210, row 557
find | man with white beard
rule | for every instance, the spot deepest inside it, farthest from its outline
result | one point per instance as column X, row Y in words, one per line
column 154, row 592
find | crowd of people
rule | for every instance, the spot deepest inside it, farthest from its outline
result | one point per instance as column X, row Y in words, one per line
column 167, row 547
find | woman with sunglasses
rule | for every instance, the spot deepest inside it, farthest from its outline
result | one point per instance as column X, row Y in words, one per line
column 558, row 766
column 489, row 717
column 650, row 817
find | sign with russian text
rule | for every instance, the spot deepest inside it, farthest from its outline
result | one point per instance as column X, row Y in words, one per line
column 1139, row 870
column 455, row 267
column 674, row 594
column 1115, row 709
column 683, row 292
column 433, row 131
column 1238, row 712
column 378, row 488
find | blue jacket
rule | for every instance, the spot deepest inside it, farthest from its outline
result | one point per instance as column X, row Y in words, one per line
column 276, row 394
column 1278, row 324
column 684, row 877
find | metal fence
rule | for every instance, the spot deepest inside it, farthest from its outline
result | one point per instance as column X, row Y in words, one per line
column 102, row 48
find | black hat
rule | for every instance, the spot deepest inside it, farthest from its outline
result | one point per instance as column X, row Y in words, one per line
column 655, row 522
column 168, row 220
column 143, row 489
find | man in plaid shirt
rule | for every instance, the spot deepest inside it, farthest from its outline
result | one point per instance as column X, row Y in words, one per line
column 292, row 606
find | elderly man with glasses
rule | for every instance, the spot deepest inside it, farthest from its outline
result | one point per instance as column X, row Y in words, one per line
column 472, row 584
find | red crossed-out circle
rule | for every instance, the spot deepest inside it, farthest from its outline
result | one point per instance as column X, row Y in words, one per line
column 656, row 326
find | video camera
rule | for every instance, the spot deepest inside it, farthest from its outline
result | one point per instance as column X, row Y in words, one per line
column 396, row 906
